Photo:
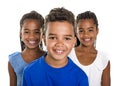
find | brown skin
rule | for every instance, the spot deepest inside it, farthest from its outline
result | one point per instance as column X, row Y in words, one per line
column 106, row 76
column 59, row 40
column 32, row 54
column 31, row 36
column 86, row 56
column 12, row 75
column 86, row 51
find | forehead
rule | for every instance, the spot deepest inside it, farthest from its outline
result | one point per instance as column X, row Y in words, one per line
column 30, row 20
column 60, row 27
column 33, row 23
column 86, row 22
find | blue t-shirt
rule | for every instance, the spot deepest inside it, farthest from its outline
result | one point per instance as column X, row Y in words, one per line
column 18, row 64
column 39, row 73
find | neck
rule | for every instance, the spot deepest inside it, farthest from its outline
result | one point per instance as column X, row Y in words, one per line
column 85, row 48
column 31, row 54
column 32, row 51
column 56, row 63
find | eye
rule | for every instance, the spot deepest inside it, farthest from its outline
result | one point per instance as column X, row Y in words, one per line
column 52, row 38
column 26, row 31
column 90, row 30
column 37, row 32
column 80, row 31
column 67, row 38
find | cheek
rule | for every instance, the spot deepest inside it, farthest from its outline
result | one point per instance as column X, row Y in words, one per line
column 70, row 45
column 39, row 38
column 22, row 37
column 94, row 36
column 79, row 36
column 50, row 43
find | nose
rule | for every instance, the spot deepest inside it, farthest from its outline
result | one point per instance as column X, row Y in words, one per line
column 86, row 33
column 59, row 43
column 31, row 35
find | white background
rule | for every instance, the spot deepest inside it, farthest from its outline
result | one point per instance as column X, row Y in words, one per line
column 108, row 39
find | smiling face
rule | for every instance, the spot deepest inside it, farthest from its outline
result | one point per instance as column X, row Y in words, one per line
column 87, row 32
column 59, row 40
column 30, row 33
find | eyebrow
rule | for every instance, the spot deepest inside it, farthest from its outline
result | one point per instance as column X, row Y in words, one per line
column 64, row 35
column 87, row 28
column 34, row 29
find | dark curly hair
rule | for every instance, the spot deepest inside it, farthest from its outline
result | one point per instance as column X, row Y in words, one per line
column 60, row 14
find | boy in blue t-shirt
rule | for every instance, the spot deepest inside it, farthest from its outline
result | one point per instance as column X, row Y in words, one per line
column 55, row 68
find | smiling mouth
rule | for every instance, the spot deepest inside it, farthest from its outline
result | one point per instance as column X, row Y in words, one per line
column 87, row 40
column 59, row 51
column 32, row 42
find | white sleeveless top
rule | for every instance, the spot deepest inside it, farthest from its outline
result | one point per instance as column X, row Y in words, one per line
column 94, row 70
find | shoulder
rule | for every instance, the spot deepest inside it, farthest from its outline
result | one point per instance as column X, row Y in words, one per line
column 102, row 59
column 16, row 61
column 80, row 74
column 103, row 56
column 14, row 55
column 77, row 69
column 34, row 65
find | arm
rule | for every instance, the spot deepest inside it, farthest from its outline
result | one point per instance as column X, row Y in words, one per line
column 106, row 81
column 12, row 75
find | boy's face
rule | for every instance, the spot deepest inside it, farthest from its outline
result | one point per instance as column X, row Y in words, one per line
column 59, row 40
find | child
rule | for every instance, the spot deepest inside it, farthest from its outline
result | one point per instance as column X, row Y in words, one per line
column 95, row 63
column 55, row 68
column 31, row 26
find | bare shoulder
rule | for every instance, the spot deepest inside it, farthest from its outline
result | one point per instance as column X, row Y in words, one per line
column 106, row 78
column 12, row 75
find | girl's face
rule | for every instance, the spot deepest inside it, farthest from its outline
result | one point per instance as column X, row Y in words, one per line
column 87, row 32
column 59, row 40
column 30, row 33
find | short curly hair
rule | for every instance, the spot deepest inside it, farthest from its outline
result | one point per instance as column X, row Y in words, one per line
column 60, row 14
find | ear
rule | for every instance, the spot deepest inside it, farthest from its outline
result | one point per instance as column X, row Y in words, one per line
column 44, row 39
column 41, row 36
column 20, row 35
column 97, row 31
column 75, row 40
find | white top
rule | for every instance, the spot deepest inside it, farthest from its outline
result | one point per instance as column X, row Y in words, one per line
column 94, row 70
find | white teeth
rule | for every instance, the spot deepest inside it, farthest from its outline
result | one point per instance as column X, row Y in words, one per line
column 59, row 51
column 31, row 42
column 87, row 39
